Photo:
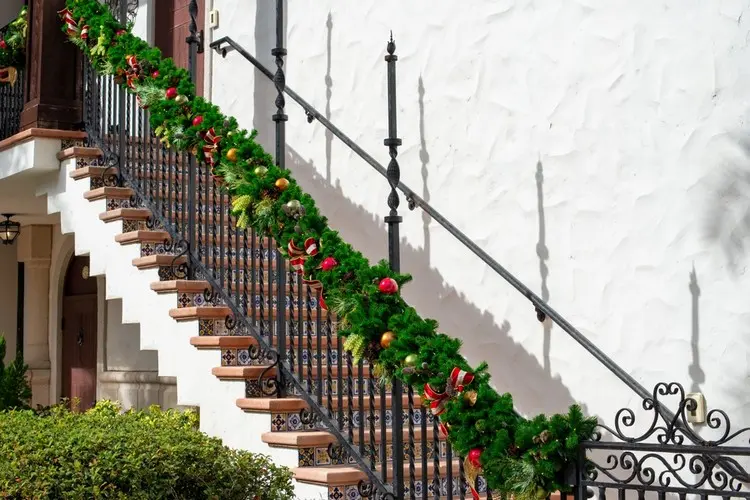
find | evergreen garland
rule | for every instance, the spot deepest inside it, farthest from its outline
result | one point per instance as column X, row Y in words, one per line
column 520, row 457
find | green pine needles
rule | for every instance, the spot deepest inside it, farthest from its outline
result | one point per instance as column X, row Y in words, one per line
column 523, row 457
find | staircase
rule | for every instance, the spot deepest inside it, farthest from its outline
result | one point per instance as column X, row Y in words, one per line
column 218, row 365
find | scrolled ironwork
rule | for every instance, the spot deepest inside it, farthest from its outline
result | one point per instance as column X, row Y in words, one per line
column 132, row 8
column 669, row 455
column 308, row 417
column 367, row 490
column 270, row 386
column 677, row 429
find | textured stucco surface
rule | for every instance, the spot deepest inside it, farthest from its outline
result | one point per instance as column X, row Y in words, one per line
column 593, row 148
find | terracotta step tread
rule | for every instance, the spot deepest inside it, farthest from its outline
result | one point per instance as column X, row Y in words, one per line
column 255, row 371
column 108, row 192
column 339, row 475
column 180, row 286
column 125, row 214
column 88, row 172
column 142, row 236
column 78, row 152
column 203, row 312
column 223, row 342
column 288, row 405
column 217, row 312
column 160, row 260
column 305, row 439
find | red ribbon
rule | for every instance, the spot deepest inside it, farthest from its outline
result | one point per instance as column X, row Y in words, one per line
column 132, row 73
column 456, row 382
column 85, row 32
column 70, row 23
column 212, row 144
column 311, row 247
column 298, row 264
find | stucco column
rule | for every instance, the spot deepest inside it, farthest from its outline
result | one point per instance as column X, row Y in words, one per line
column 34, row 250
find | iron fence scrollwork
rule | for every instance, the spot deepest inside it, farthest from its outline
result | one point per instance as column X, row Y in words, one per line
column 667, row 456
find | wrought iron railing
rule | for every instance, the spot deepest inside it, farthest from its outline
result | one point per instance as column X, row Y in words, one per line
column 296, row 339
column 11, row 97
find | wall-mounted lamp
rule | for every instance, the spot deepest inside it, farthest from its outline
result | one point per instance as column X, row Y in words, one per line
column 9, row 230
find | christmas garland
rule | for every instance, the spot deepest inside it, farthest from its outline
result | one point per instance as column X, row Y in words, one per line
column 13, row 49
column 525, row 458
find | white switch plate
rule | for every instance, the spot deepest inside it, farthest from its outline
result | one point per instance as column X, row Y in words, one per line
column 698, row 416
column 213, row 19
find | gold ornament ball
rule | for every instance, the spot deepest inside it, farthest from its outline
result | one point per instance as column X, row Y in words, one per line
column 293, row 205
column 232, row 155
column 260, row 171
column 470, row 397
column 181, row 99
column 386, row 339
column 411, row 360
column 282, row 184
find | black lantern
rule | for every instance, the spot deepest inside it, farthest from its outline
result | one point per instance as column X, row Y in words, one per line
column 9, row 230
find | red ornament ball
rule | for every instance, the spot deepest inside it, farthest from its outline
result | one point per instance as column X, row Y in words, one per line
column 388, row 286
column 155, row 74
column 171, row 92
column 197, row 121
column 474, row 455
column 3, row 45
column 328, row 263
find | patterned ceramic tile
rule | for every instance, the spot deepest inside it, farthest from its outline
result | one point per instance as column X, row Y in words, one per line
column 278, row 422
column 338, row 493
column 70, row 143
column 205, row 327
column 306, row 457
column 132, row 225
column 229, row 357
column 167, row 273
column 147, row 249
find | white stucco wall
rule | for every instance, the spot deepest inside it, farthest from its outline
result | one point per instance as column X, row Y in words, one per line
column 631, row 112
column 8, row 299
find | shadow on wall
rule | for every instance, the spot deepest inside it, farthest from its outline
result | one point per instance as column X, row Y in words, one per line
column 535, row 390
column 728, row 219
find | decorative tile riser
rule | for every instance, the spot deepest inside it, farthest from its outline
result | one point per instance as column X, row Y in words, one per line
column 202, row 299
column 335, row 455
column 212, row 327
column 352, row 492
column 235, row 357
column 71, row 143
column 283, row 422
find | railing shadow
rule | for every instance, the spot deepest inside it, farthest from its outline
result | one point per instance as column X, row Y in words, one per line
column 536, row 391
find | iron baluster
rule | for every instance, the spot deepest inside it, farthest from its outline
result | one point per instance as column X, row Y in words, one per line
column 308, row 334
column 373, row 452
column 394, row 256
column 318, row 351
column 328, row 358
column 361, row 401
column 449, row 470
column 349, row 392
column 412, row 445
column 460, row 479
column 425, row 454
column 195, row 46
column 280, row 119
column 435, row 458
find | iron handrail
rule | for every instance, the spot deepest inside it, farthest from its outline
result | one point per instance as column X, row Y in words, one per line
column 543, row 309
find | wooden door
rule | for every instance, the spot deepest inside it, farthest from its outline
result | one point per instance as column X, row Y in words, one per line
column 172, row 27
column 79, row 331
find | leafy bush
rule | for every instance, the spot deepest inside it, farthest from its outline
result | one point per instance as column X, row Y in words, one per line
column 106, row 454
column 14, row 388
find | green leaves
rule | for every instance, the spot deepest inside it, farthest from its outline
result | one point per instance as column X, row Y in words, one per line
column 106, row 454
column 14, row 389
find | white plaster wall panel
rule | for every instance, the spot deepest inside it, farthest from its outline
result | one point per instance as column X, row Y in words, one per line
column 123, row 345
column 8, row 300
column 632, row 109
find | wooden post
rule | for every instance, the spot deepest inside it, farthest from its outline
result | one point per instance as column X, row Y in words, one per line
column 54, row 80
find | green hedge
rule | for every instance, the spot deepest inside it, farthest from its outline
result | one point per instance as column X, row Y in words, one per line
column 106, row 454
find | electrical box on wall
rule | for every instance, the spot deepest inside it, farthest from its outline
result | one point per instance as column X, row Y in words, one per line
column 698, row 414
column 213, row 19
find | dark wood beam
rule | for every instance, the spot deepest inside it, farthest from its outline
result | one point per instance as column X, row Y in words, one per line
column 54, row 77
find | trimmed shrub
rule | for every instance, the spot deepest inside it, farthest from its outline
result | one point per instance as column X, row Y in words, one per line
column 106, row 454
column 14, row 388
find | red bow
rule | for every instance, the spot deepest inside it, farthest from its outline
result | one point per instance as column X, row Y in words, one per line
column 311, row 247
column 133, row 71
column 212, row 144
column 85, row 32
column 456, row 382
